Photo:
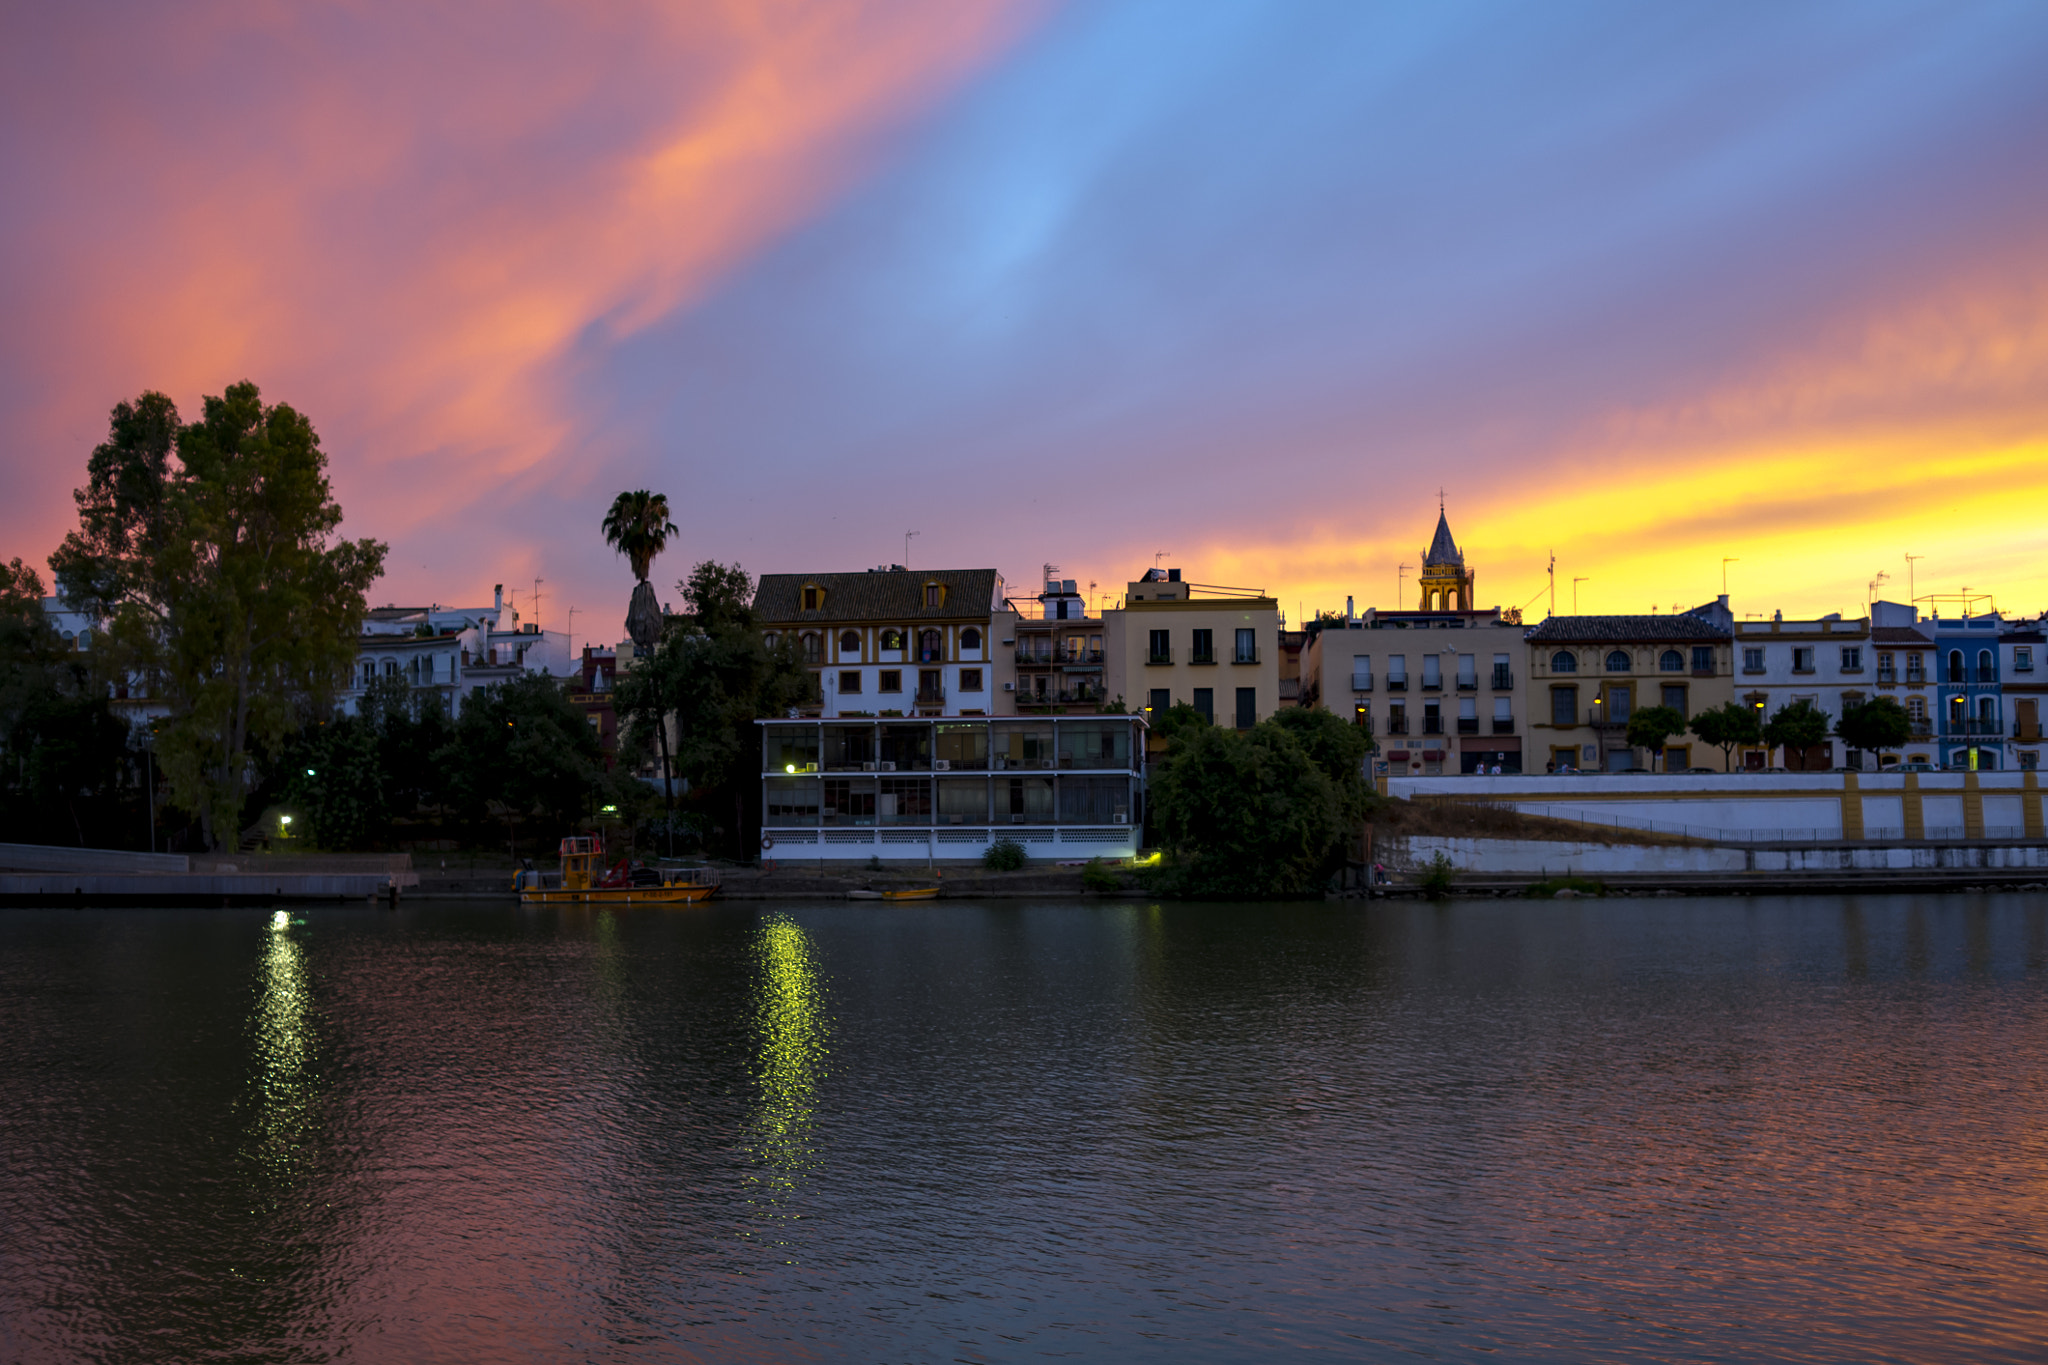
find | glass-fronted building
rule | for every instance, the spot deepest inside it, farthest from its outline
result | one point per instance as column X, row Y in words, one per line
column 1065, row 787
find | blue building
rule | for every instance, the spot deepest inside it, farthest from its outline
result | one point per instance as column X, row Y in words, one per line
column 1971, row 712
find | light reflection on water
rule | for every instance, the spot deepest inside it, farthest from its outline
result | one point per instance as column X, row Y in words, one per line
column 1674, row 1130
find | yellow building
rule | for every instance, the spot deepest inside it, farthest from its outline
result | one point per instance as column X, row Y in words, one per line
column 1588, row 675
column 1216, row 649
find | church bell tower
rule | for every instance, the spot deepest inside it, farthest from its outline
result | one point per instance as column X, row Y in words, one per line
column 1446, row 582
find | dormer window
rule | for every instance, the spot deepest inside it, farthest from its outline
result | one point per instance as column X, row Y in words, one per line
column 814, row 597
column 934, row 595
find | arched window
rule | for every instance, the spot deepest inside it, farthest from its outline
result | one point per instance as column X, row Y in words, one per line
column 892, row 639
column 1984, row 668
column 970, row 638
column 811, row 647
column 1671, row 661
column 849, row 642
column 928, row 648
column 1617, row 661
column 1564, row 661
column 1955, row 665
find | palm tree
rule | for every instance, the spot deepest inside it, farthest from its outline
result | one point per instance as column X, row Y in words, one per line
column 638, row 528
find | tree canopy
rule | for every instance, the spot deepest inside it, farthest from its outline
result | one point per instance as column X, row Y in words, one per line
column 1875, row 725
column 1653, row 726
column 210, row 549
column 638, row 527
column 1248, row 814
column 1796, row 727
column 1725, row 727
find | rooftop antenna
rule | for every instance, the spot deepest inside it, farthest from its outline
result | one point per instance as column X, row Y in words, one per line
column 1553, row 582
column 572, row 632
column 1877, row 582
column 906, row 547
column 536, row 603
column 1724, row 573
column 1400, row 586
column 1909, row 577
column 1575, row 592
column 1158, row 555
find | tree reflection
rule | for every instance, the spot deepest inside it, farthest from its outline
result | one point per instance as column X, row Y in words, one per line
column 793, row 1033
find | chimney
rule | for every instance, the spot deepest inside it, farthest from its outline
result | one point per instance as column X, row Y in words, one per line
column 1350, row 612
column 498, row 596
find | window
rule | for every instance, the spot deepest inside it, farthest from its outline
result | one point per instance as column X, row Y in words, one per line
column 892, row 638
column 1674, row 697
column 1986, row 671
column 1955, row 665
column 1397, row 673
column 1671, row 661
column 1247, row 647
column 812, row 598
column 1203, row 650
column 1468, row 670
column 1432, row 673
column 931, row 685
column 1617, row 661
column 1619, row 702
column 1468, row 715
column 891, row 680
column 1503, row 673
column 1564, row 706
column 1852, row 659
column 1887, row 670
column 1703, row 660
column 1564, row 661
column 1397, row 718
column 1161, row 701
column 849, row 642
column 1752, row 659
column 849, row 682
column 1802, row 658
column 2023, row 659
column 1916, row 708
column 1361, row 673
column 930, row 647
column 1247, row 707
column 970, row 638
column 970, row 680
column 934, row 595
column 1205, row 703
column 1162, row 648
column 1503, row 716
column 811, row 650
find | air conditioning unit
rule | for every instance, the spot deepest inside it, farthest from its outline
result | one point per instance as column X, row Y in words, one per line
column 942, row 765
column 867, row 767
column 888, row 767
column 1009, row 687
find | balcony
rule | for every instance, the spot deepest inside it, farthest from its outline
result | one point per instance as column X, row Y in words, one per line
column 1076, row 696
column 1916, row 677
column 1397, row 682
column 1397, row 725
column 1245, row 656
column 1468, row 725
column 1887, row 675
column 1503, row 727
column 1081, row 657
column 1503, row 679
column 1468, row 684
column 1159, row 657
column 1921, row 728
column 1361, row 682
column 1964, row 727
column 1028, row 660
column 1706, row 671
column 1599, row 719
column 1201, row 656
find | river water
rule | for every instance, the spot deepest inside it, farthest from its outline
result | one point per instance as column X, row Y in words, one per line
column 1811, row 1128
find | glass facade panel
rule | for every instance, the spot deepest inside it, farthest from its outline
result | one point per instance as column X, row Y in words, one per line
column 786, row 748
column 909, row 747
column 1095, row 801
column 963, row 801
column 790, row 801
column 1024, row 801
column 1022, row 744
column 848, row 748
column 904, row 801
column 962, row 746
column 849, row 801
column 1095, row 744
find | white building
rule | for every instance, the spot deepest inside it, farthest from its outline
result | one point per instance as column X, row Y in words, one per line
column 453, row 651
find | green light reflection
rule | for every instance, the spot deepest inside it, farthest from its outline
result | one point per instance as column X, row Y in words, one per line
column 793, row 1035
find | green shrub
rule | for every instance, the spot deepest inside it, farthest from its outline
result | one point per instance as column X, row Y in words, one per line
column 1436, row 883
column 1097, row 876
column 1004, row 855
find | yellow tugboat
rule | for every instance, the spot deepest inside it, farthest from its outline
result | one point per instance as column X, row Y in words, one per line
column 583, row 881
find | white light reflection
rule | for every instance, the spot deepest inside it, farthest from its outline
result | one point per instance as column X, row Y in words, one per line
column 284, row 1041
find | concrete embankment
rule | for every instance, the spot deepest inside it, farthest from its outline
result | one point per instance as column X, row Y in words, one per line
column 37, row 874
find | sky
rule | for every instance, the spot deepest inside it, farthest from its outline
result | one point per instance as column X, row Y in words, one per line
column 1234, row 288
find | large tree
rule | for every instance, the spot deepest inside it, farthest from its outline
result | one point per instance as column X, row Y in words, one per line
column 712, row 676
column 1248, row 814
column 1797, row 727
column 1726, row 726
column 64, row 755
column 1653, row 726
column 1876, row 725
column 637, row 525
column 211, row 551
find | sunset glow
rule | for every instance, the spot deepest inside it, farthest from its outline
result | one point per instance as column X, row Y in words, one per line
column 1648, row 289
